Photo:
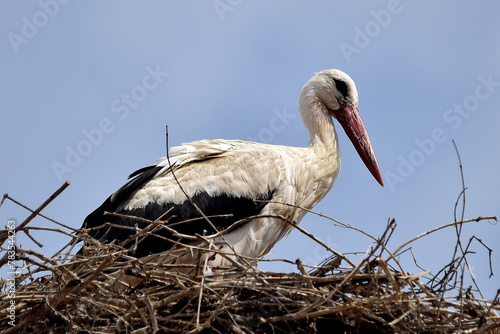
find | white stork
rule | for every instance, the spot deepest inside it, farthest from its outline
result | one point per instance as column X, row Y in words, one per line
column 247, row 190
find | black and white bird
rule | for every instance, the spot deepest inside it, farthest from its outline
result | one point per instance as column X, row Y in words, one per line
column 247, row 190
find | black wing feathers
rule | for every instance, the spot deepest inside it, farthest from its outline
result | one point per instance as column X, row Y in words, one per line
column 111, row 204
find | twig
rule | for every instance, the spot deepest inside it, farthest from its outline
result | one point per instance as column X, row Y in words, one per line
column 322, row 216
column 151, row 313
column 490, row 252
column 304, row 273
column 313, row 237
column 191, row 200
column 477, row 219
column 3, row 236
column 202, row 285
column 150, row 222
column 6, row 196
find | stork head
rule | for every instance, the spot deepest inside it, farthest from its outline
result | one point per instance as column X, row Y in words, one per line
column 337, row 93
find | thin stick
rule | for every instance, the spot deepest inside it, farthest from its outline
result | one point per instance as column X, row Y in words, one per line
column 4, row 236
column 6, row 196
column 477, row 219
column 202, row 284
column 151, row 311
column 184, row 192
column 194, row 204
column 323, row 216
column 145, row 220
column 458, row 229
column 328, row 248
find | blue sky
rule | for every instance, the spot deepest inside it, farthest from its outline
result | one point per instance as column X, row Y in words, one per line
column 86, row 89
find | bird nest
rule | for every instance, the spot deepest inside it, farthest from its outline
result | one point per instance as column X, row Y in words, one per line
column 109, row 291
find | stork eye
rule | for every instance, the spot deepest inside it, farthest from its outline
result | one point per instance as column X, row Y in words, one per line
column 341, row 87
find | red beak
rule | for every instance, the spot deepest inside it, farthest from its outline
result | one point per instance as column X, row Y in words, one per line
column 351, row 121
